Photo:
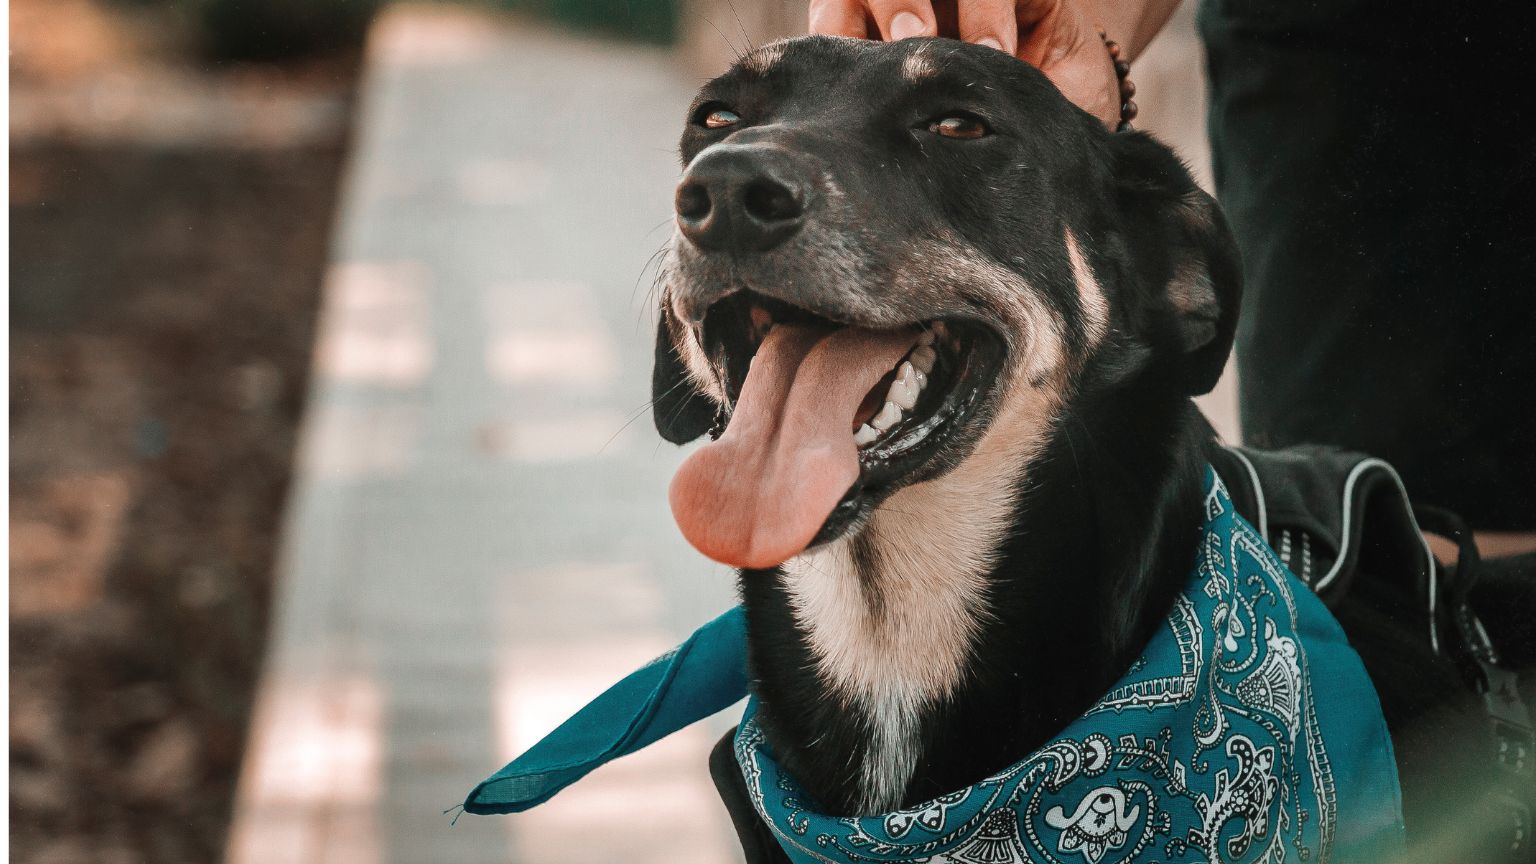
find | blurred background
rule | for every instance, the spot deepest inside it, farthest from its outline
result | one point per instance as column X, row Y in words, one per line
column 332, row 482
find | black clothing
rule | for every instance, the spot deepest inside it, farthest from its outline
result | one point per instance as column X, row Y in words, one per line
column 1379, row 175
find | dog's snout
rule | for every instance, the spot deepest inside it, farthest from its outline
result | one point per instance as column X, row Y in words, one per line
column 740, row 199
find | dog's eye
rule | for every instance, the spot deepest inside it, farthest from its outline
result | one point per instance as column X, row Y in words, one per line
column 959, row 126
column 716, row 117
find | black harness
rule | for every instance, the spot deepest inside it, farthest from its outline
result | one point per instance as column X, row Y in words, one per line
column 1344, row 524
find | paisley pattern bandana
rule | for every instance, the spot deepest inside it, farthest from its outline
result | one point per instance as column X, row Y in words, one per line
column 1247, row 731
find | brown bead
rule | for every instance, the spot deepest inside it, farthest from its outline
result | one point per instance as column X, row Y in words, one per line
column 1114, row 49
column 1127, row 88
column 1128, row 110
column 1122, row 68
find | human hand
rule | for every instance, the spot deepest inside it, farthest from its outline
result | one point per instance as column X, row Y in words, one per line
column 1060, row 37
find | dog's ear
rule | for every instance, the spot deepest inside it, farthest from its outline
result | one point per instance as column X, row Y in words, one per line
column 1180, row 243
column 682, row 413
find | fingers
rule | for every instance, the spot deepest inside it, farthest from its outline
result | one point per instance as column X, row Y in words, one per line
column 895, row 19
column 995, row 23
column 990, row 22
column 838, row 18
column 1030, row 12
column 1060, row 38
column 1047, row 31
column 903, row 19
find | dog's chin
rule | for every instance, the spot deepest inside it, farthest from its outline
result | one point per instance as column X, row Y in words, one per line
column 953, row 408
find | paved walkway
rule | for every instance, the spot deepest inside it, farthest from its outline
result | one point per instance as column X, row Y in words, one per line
column 478, row 539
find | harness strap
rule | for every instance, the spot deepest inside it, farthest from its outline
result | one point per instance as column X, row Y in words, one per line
column 1333, row 515
column 1512, row 786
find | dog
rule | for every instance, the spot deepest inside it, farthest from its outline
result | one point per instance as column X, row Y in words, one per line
column 945, row 329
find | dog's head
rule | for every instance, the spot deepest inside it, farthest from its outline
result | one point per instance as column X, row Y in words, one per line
column 895, row 258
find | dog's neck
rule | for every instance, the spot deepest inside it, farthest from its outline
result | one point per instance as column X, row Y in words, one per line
column 976, row 614
column 891, row 614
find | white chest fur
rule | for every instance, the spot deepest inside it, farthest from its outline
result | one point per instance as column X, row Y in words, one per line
column 892, row 628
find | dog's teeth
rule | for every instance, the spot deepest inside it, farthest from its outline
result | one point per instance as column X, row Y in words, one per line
column 865, row 436
column 912, row 375
column 904, row 393
column 923, row 357
column 887, row 417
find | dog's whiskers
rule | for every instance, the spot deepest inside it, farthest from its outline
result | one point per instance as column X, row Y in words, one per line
column 639, row 413
column 652, row 261
column 745, row 36
column 724, row 38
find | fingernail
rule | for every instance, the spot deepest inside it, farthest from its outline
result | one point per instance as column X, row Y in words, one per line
column 905, row 25
column 990, row 43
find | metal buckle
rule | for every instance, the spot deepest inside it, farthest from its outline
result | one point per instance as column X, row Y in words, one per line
column 1513, row 791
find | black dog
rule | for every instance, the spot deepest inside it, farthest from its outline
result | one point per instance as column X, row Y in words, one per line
column 939, row 586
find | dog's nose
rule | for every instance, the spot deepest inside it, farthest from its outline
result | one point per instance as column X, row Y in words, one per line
column 740, row 199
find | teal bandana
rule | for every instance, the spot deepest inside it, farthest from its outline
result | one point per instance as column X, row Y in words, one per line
column 1247, row 731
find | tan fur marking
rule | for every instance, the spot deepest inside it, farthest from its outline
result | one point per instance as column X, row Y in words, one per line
column 1090, row 295
column 918, row 65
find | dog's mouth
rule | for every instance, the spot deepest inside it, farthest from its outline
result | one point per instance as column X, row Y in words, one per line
column 826, row 419
column 904, row 414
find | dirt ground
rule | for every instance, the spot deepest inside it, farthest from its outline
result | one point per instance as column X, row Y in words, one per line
column 169, row 225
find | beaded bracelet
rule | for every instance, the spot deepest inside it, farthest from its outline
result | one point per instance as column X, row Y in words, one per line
column 1127, row 86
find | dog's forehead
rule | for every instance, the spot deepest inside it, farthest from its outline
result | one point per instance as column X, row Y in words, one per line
column 860, row 68
column 808, row 54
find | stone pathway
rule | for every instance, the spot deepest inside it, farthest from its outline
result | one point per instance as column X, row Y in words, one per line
column 478, row 540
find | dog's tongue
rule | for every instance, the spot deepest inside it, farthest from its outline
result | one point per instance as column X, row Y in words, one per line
column 758, row 495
